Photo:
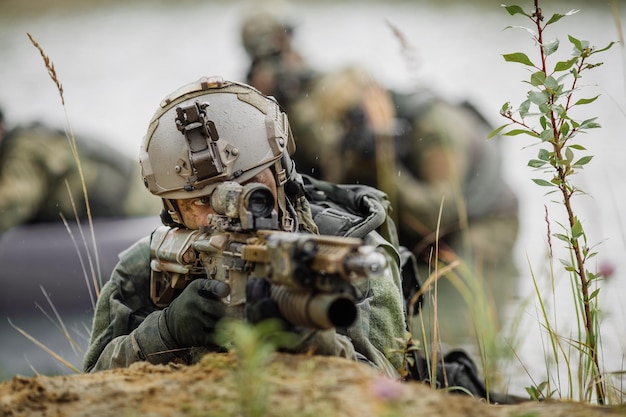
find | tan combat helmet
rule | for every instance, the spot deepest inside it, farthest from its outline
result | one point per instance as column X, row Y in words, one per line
column 265, row 29
column 211, row 131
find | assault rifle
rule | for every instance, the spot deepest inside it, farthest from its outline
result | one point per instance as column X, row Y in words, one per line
column 312, row 276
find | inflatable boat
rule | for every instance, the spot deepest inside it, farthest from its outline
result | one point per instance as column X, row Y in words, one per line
column 46, row 263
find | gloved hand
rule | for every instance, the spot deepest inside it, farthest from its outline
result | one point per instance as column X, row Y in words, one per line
column 192, row 316
column 259, row 303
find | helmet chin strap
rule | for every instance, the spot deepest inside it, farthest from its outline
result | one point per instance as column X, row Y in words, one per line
column 170, row 216
column 293, row 205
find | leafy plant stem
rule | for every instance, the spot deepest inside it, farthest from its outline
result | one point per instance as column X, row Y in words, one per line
column 552, row 96
column 567, row 191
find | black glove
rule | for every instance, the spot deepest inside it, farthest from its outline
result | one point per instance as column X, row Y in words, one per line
column 259, row 303
column 192, row 316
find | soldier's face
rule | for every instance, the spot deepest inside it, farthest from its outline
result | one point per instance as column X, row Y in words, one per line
column 194, row 211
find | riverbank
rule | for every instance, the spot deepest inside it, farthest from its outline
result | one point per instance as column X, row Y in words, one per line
column 288, row 385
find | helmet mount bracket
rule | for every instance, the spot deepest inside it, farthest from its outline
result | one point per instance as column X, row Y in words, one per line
column 202, row 137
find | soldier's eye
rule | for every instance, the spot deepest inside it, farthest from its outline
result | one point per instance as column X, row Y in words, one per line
column 202, row 201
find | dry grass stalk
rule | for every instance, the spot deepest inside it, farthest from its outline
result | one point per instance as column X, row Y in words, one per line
column 49, row 66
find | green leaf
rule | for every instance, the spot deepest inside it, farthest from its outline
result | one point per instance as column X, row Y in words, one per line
column 516, row 132
column 577, row 229
column 518, row 57
column 533, row 393
column 576, row 42
column 591, row 276
column 496, row 131
column 542, row 183
column 569, row 155
column 585, row 52
column 594, row 294
column 524, row 108
column 551, row 47
column 578, row 147
column 515, row 9
column 603, row 49
column 565, row 65
column 586, row 100
column 590, row 66
column 564, row 238
column 590, row 124
column 565, row 130
column 537, row 78
column 505, row 107
column 555, row 18
column 536, row 163
column 551, row 83
column 544, row 155
column 538, row 97
column 583, row 161
column 547, row 135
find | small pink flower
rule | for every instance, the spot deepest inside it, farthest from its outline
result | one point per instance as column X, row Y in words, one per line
column 606, row 269
column 386, row 389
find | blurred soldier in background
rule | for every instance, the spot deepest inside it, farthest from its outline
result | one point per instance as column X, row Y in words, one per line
column 276, row 68
column 430, row 156
column 38, row 172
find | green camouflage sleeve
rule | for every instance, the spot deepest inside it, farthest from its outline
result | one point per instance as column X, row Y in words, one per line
column 127, row 327
column 380, row 327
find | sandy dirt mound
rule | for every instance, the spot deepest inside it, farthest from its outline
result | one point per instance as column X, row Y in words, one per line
column 289, row 385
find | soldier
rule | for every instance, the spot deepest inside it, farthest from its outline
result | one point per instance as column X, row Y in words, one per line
column 250, row 141
column 443, row 177
column 38, row 167
column 426, row 153
column 276, row 67
column 254, row 144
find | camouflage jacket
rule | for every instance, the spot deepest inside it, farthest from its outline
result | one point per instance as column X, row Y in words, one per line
column 37, row 167
column 127, row 327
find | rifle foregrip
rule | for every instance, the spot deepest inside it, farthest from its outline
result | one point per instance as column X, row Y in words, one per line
column 320, row 311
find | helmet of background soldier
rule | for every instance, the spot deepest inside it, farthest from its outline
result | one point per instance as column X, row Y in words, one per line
column 264, row 32
column 276, row 67
column 211, row 131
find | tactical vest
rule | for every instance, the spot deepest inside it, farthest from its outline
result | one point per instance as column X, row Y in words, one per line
column 355, row 210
